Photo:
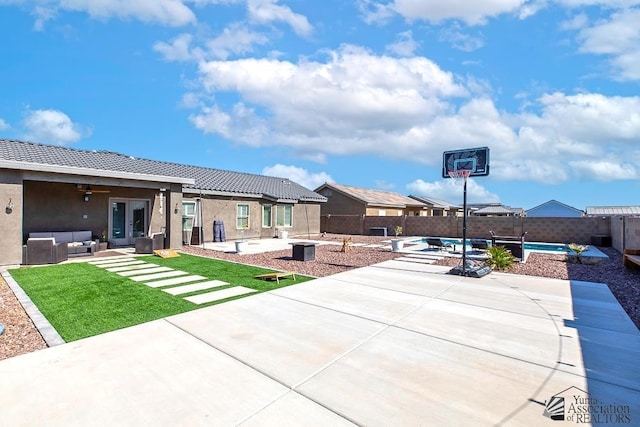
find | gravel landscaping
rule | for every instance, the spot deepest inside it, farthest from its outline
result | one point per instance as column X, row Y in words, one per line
column 22, row 337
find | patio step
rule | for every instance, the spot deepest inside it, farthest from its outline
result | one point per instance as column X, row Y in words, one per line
column 219, row 295
column 201, row 286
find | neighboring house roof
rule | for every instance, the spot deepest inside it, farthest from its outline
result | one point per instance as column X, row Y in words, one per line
column 613, row 210
column 373, row 197
column 195, row 179
column 436, row 203
column 554, row 208
column 495, row 210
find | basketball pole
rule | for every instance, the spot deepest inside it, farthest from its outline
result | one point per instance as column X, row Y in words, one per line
column 464, row 228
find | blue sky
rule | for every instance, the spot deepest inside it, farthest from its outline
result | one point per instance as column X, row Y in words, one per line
column 367, row 93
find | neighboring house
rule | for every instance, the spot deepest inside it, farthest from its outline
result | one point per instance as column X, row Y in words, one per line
column 613, row 210
column 494, row 210
column 436, row 207
column 554, row 209
column 347, row 200
column 53, row 188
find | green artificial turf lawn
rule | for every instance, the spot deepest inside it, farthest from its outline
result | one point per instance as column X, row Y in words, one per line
column 81, row 300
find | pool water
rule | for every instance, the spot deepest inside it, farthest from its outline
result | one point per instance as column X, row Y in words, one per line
column 531, row 246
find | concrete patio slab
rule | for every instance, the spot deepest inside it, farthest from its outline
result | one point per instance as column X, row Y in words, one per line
column 285, row 339
column 219, row 295
column 122, row 379
column 398, row 343
column 381, row 305
column 294, row 410
column 156, row 276
column 185, row 289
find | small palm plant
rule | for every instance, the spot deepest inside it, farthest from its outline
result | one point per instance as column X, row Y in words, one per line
column 398, row 230
column 500, row 258
column 577, row 249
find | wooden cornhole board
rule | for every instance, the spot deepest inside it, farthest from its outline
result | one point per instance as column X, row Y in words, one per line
column 166, row 253
column 276, row 275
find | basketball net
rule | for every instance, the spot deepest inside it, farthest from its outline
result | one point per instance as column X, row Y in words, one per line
column 460, row 174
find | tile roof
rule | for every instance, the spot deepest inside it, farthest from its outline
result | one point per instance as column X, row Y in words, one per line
column 206, row 179
column 495, row 210
column 374, row 197
column 438, row 203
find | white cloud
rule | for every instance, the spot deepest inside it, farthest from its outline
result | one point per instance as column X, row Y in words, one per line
column 298, row 175
column 617, row 37
column 236, row 39
column 164, row 12
column 405, row 45
column 268, row 11
column 179, row 49
column 51, row 126
column 452, row 191
column 4, row 125
column 461, row 40
column 471, row 12
column 351, row 103
column 410, row 109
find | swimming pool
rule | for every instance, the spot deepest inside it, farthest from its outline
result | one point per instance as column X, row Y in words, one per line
column 530, row 246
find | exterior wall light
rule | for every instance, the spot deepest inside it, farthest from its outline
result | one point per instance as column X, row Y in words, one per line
column 9, row 207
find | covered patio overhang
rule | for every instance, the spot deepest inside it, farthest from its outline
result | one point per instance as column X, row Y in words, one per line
column 65, row 198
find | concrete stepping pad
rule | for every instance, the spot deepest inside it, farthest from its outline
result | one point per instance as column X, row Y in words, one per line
column 130, row 267
column 153, row 268
column 175, row 281
column 111, row 259
column 120, row 264
column 219, row 295
column 417, row 260
column 185, row 289
column 163, row 275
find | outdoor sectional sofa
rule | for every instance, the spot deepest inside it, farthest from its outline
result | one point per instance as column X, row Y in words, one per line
column 78, row 242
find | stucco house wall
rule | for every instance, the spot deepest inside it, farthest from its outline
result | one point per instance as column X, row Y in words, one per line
column 306, row 218
column 11, row 224
column 339, row 204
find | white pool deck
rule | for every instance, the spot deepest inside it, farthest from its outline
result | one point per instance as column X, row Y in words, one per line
column 398, row 343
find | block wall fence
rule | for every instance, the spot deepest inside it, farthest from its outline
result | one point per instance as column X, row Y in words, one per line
column 624, row 231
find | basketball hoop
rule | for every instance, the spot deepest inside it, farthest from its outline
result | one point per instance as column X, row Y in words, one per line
column 460, row 174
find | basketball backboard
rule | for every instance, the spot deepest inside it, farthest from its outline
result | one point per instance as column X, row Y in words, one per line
column 474, row 159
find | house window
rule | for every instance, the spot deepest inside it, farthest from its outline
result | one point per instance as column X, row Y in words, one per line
column 382, row 212
column 284, row 216
column 188, row 213
column 266, row 216
column 242, row 216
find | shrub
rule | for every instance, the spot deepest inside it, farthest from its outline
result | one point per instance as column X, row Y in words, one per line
column 501, row 258
column 577, row 249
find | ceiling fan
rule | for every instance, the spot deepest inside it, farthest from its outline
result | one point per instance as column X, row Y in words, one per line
column 88, row 190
